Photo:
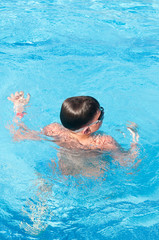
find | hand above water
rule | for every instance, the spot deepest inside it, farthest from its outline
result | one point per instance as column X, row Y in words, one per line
column 133, row 129
column 19, row 101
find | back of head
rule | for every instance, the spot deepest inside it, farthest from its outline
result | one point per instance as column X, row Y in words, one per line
column 76, row 112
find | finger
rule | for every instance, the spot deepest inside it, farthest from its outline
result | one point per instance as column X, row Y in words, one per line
column 129, row 129
column 132, row 132
column 16, row 94
column 21, row 96
column 12, row 95
column 28, row 98
column 137, row 137
column 10, row 99
column 21, row 93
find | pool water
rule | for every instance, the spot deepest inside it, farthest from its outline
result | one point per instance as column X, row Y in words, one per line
column 57, row 49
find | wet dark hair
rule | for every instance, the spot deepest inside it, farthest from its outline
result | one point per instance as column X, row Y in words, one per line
column 76, row 112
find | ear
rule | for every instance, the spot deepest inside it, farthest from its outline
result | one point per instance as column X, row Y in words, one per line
column 86, row 131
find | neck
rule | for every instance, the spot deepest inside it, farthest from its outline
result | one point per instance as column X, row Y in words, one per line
column 80, row 136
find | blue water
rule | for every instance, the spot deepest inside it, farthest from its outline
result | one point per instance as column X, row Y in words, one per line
column 57, row 49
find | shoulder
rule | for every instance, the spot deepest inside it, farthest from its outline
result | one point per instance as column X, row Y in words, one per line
column 52, row 129
column 106, row 142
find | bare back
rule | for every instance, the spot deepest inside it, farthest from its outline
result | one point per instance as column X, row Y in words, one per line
column 63, row 138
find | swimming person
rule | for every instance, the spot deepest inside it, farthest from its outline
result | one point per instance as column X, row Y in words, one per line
column 81, row 117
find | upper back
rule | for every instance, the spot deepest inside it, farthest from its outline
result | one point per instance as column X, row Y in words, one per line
column 63, row 138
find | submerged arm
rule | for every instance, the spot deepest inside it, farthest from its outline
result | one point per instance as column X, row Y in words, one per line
column 118, row 153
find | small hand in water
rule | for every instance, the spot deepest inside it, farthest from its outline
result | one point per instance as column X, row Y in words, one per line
column 19, row 100
column 133, row 129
